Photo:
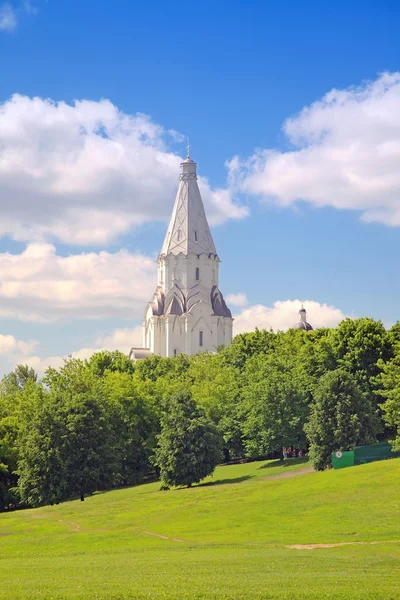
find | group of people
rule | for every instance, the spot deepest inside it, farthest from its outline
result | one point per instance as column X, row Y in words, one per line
column 292, row 453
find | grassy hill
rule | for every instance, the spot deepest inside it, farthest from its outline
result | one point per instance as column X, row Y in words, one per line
column 229, row 537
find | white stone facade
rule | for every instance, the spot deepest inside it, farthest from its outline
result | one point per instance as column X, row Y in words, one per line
column 187, row 313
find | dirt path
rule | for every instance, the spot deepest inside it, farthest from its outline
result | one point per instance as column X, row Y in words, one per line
column 316, row 546
column 164, row 537
column 290, row 474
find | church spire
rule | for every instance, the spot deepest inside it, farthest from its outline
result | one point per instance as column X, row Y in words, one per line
column 188, row 230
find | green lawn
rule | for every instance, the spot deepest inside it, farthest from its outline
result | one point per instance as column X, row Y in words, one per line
column 226, row 538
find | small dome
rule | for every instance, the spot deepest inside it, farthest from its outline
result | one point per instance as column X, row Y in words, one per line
column 302, row 322
column 188, row 160
column 303, row 325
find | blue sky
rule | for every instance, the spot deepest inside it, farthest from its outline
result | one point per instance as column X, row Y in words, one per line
column 229, row 75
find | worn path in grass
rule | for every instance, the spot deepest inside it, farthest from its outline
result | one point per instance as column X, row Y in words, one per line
column 226, row 538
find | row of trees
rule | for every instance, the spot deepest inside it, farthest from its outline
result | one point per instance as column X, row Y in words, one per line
column 107, row 422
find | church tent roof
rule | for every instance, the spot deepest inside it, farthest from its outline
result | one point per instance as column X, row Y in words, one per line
column 188, row 230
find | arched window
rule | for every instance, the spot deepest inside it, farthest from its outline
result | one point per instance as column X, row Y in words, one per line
column 175, row 352
column 200, row 338
column 179, row 235
column 195, row 236
column 197, row 274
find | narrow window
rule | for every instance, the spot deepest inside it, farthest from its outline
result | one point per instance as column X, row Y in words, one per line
column 195, row 236
column 179, row 235
column 200, row 338
column 197, row 273
column 175, row 352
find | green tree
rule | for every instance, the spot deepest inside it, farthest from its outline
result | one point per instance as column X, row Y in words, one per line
column 42, row 476
column 189, row 445
column 156, row 367
column 135, row 423
column 12, row 387
column 341, row 417
column 390, row 378
column 246, row 345
column 216, row 387
column 8, row 465
column 275, row 406
column 359, row 347
column 17, row 380
column 66, row 440
column 115, row 361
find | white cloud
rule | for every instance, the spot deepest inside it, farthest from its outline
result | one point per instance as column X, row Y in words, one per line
column 236, row 299
column 13, row 352
column 347, row 154
column 8, row 19
column 87, row 172
column 10, row 346
column 40, row 285
column 284, row 314
column 120, row 339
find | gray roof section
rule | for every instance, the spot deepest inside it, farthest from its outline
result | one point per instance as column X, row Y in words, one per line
column 303, row 325
column 179, row 302
column 140, row 353
column 188, row 231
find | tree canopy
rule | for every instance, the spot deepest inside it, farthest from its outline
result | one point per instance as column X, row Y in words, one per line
column 189, row 445
column 341, row 417
column 107, row 421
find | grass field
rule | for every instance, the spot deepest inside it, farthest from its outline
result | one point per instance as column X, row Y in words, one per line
column 226, row 538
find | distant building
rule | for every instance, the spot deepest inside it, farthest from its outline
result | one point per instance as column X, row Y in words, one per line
column 302, row 322
column 187, row 312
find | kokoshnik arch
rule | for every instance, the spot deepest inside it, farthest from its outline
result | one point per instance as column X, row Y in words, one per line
column 187, row 312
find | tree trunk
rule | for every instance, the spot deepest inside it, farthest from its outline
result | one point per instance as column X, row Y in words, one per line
column 227, row 456
column 82, row 498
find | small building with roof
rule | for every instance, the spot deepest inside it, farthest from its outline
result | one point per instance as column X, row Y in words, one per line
column 302, row 322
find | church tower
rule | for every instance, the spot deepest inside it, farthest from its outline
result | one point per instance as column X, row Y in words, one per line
column 302, row 322
column 187, row 312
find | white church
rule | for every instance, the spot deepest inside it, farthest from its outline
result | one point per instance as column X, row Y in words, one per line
column 187, row 312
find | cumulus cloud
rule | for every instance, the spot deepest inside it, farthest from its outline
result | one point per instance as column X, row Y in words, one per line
column 87, row 172
column 40, row 285
column 13, row 351
column 346, row 154
column 9, row 345
column 8, row 18
column 236, row 299
column 121, row 339
column 284, row 314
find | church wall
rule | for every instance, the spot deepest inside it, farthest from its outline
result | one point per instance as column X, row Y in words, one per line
column 182, row 270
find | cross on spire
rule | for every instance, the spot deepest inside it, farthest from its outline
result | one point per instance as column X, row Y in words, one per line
column 188, row 148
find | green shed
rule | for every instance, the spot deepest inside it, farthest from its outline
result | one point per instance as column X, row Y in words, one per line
column 373, row 452
column 342, row 459
column 361, row 455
